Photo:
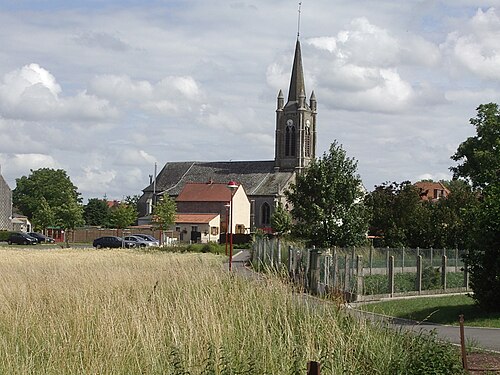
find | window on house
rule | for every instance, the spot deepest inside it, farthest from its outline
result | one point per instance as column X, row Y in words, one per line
column 194, row 228
column 177, row 229
column 265, row 214
column 240, row 228
column 214, row 231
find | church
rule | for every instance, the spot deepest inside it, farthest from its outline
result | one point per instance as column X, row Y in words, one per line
column 264, row 181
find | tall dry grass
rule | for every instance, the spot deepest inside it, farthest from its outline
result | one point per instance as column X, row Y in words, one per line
column 126, row 312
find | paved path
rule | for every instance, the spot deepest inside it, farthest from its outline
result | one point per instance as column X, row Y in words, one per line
column 484, row 338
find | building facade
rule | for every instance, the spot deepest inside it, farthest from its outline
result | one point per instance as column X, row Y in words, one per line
column 263, row 181
column 5, row 205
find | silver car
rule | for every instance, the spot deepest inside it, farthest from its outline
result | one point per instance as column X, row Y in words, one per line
column 150, row 239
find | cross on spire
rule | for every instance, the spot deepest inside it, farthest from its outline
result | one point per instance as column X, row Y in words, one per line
column 298, row 20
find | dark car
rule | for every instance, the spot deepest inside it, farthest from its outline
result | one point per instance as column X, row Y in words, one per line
column 112, row 241
column 41, row 238
column 21, row 238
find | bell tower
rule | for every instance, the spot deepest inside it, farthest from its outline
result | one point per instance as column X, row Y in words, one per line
column 295, row 144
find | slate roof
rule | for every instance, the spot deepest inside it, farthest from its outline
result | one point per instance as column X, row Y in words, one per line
column 256, row 177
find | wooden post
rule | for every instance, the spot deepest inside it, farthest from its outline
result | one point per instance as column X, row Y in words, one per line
column 387, row 261
column 346, row 273
column 335, row 271
column 291, row 270
column 313, row 368
column 359, row 275
column 314, row 271
column 391, row 276
column 443, row 271
column 371, row 259
column 462, row 341
column 418, row 280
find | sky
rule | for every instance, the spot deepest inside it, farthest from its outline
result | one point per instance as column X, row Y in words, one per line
column 106, row 89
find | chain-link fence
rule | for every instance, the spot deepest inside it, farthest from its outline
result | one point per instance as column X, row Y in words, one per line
column 364, row 273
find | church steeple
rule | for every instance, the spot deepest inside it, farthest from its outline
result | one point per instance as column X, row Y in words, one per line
column 295, row 122
column 297, row 85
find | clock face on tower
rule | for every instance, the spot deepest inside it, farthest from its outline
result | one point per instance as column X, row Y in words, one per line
column 289, row 122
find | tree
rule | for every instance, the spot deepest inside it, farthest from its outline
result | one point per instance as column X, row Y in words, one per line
column 96, row 212
column 164, row 213
column 122, row 215
column 480, row 165
column 44, row 216
column 327, row 201
column 281, row 221
column 480, row 155
column 52, row 185
column 69, row 216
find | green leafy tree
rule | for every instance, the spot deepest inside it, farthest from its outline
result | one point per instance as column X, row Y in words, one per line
column 480, row 165
column 52, row 185
column 480, row 155
column 281, row 221
column 164, row 213
column 44, row 216
column 327, row 200
column 96, row 212
column 122, row 215
column 69, row 216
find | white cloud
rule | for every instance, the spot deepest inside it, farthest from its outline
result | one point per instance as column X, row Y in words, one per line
column 476, row 46
column 32, row 93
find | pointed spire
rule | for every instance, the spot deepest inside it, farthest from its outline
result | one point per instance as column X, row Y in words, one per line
column 297, row 81
column 281, row 100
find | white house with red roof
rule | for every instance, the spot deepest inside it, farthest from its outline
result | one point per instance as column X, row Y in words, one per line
column 204, row 211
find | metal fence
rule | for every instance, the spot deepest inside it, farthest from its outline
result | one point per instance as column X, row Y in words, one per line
column 365, row 273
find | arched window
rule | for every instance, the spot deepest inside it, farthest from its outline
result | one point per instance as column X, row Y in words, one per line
column 265, row 211
column 290, row 140
column 307, row 142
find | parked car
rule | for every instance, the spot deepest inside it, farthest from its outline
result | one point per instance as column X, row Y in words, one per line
column 148, row 238
column 139, row 242
column 41, row 238
column 112, row 241
column 21, row 238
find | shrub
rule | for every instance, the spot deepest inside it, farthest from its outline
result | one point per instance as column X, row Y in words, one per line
column 4, row 235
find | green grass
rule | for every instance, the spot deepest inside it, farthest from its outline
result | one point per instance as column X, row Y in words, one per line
column 442, row 310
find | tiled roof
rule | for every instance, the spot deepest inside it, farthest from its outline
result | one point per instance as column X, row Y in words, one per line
column 256, row 177
column 194, row 218
column 204, row 192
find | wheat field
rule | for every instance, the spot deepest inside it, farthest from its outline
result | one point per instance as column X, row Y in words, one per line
column 132, row 312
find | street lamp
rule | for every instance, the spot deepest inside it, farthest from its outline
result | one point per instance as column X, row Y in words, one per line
column 227, row 221
column 232, row 186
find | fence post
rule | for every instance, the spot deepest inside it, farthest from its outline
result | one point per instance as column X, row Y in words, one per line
column 387, row 260
column 313, row 368
column 314, row 271
column 353, row 260
column 391, row 275
column 346, row 274
column 335, row 271
column 466, row 276
column 418, row 280
column 443, row 273
column 327, row 266
column 456, row 259
column 291, row 269
column 403, row 260
column 359, row 276
column 370, row 261
column 432, row 257
column 278, row 259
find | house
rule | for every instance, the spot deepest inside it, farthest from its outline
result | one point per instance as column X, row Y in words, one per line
column 5, row 205
column 431, row 191
column 204, row 211
column 21, row 223
column 264, row 181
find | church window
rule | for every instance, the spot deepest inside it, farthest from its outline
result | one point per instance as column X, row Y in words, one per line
column 290, row 140
column 307, row 142
column 266, row 214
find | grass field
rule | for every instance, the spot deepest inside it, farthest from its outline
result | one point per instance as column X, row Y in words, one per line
column 443, row 310
column 131, row 312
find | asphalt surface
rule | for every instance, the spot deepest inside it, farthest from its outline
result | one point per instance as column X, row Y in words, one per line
column 482, row 338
